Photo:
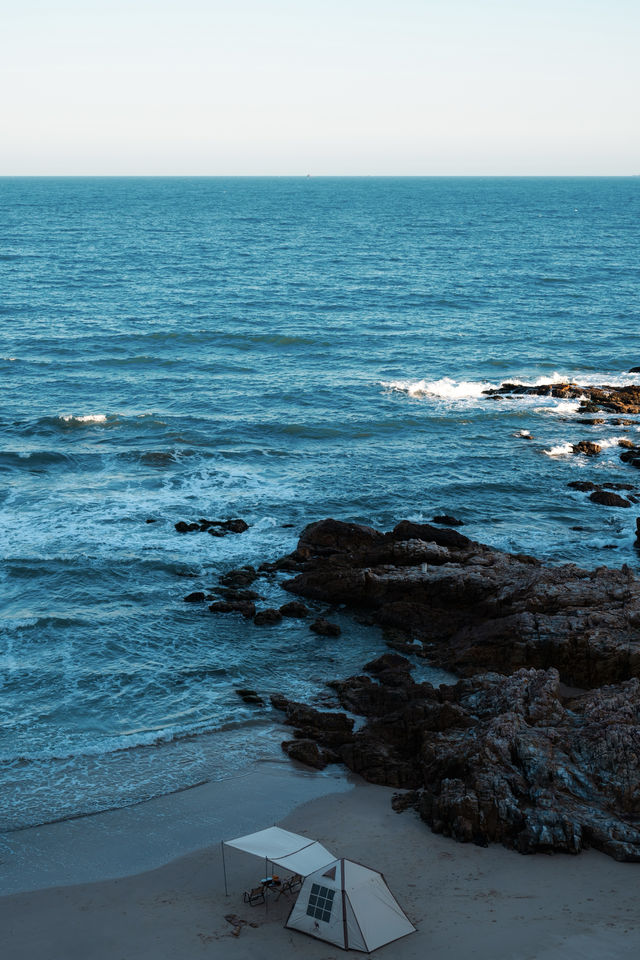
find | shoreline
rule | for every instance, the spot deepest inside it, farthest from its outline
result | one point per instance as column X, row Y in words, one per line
column 116, row 843
column 488, row 902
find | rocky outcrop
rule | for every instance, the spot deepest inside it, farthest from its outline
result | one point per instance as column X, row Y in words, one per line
column 614, row 399
column 469, row 608
column 608, row 499
column 324, row 628
column 267, row 617
column 294, row 609
column 587, row 448
column 492, row 758
column 217, row 528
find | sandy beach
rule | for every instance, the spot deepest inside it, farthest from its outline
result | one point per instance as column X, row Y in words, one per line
column 147, row 882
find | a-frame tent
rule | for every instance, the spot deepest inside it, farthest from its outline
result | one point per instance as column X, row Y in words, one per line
column 349, row 905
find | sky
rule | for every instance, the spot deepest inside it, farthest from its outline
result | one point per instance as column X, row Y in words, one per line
column 330, row 87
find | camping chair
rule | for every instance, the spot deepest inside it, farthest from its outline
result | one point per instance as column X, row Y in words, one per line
column 254, row 896
column 290, row 884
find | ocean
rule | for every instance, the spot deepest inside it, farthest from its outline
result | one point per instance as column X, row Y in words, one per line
column 279, row 350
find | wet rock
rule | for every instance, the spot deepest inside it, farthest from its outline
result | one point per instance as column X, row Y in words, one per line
column 324, row 628
column 328, row 728
column 634, row 370
column 583, row 485
column 609, row 499
column 267, row 617
column 250, row 696
column 183, row 527
column 448, row 521
column 329, row 536
column 473, row 608
column 501, row 759
column 229, row 593
column 594, row 422
column 236, row 579
column 217, row 528
column 587, row 448
column 294, row 609
column 151, row 520
column 245, row 607
column 195, row 597
column 308, row 752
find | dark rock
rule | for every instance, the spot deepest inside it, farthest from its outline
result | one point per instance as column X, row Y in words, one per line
column 330, row 729
column 503, row 759
column 593, row 422
column 230, row 594
column 329, row 536
column 308, row 752
column 151, row 520
column 634, row 370
column 618, row 486
column 406, row 530
column 609, row 499
column 217, row 528
column 583, row 485
column 448, row 521
column 294, row 609
column 324, row 628
column 515, row 759
column 473, row 608
column 237, row 579
column 245, row 607
column 588, row 448
column 250, row 696
column 196, row 597
column 267, row 616
column 235, row 526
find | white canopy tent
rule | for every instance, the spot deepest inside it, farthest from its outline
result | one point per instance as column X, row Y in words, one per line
column 349, row 905
column 285, row 849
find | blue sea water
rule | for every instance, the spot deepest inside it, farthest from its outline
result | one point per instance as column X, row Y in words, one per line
column 279, row 350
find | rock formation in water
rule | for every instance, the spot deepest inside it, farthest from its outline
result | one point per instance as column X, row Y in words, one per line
column 492, row 758
column 467, row 607
column 509, row 753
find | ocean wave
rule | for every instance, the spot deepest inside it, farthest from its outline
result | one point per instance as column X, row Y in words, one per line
column 558, row 408
column 560, row 450
column 85, row 418
column 447, row 388
column 137, row 740
column 609, row 442
column 444, row 389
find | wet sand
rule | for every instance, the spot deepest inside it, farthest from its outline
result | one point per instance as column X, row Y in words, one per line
column 147, row 882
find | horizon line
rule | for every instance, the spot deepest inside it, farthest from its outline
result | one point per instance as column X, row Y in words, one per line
column 319, row 176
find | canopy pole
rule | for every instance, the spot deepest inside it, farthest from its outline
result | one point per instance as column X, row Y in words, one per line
column 266, row 892
column 224, row 869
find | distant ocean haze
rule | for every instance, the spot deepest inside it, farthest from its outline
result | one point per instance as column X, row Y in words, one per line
column 279, row 350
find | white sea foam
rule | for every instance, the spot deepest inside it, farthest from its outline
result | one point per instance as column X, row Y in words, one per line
column 444, row 389
column 464, row 390
column 560, row 450
column 87, row 418
column 559, row 408
column 609, row 442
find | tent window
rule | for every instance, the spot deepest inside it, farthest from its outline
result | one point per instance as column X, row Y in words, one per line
column 320, row 902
